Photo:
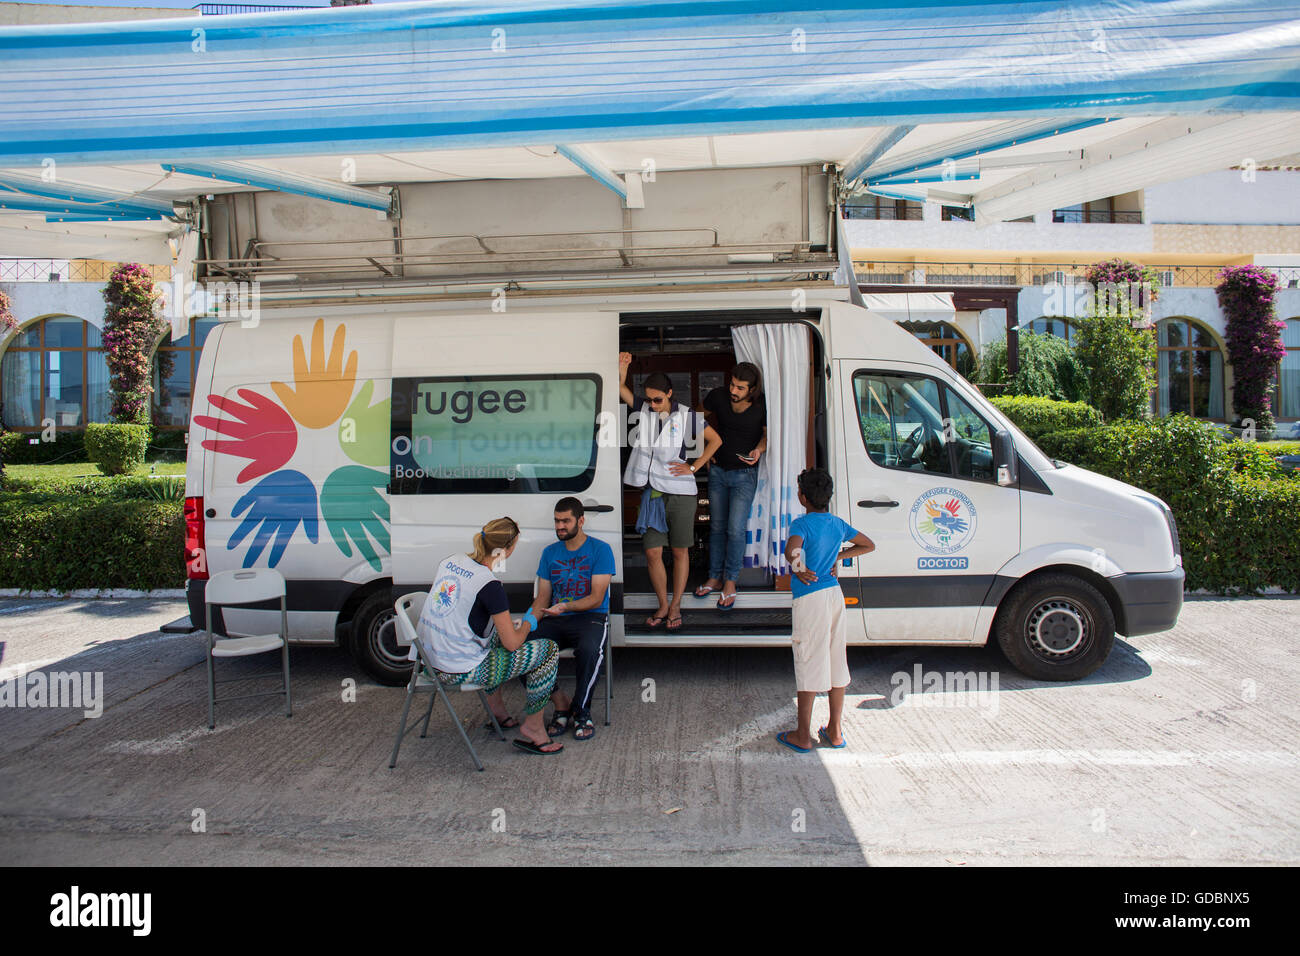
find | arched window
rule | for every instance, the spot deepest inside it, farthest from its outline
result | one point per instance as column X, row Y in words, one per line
column 1047, row 325
column 947, row 343
column 174, row 367
column 1286, row 397
column 1189, row 370
column 54, row 370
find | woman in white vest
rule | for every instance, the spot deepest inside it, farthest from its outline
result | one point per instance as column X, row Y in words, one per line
column 665, row 432
column 467, row 634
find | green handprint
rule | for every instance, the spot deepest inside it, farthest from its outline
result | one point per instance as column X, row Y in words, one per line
column 363, row 429
column 352, row 504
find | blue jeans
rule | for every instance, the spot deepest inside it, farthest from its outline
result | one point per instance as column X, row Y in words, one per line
column 731, row 495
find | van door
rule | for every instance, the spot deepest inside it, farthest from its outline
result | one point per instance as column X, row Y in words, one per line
column 501, row 415
column 921, row 485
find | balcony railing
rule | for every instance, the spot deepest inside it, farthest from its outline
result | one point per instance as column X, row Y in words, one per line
column 892, row 272
column 912, row 213
column 1097, row 215
column 68, row 270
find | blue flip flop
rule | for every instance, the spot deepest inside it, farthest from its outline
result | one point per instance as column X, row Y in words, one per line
column 825, row 738
column 780, row 738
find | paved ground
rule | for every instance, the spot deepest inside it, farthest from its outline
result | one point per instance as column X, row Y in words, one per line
column 1182, row 749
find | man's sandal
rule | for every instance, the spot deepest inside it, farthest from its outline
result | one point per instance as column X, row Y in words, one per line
column 584, row 729
column 559, row 723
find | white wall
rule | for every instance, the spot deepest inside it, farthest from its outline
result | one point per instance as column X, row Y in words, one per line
column 1227, row 198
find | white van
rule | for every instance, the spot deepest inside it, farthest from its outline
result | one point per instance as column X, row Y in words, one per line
column 352, row 447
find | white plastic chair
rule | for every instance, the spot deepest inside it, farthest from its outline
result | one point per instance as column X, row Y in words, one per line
column 408, row 608
column 234, row 588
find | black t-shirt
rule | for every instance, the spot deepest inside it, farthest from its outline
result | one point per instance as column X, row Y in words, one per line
column 741, row 431
column 490, row 600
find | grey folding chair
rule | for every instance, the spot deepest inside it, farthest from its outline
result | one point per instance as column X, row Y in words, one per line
column 568, row 653
column 408, row 608
column 232, row 589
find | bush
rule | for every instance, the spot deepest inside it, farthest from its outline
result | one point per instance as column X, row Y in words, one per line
column 114, row 488
column 117, row 449
column 1238, row 522
column 1048, row 368
column 1120, row 364
column 15, row 448
column 90, row 542
column 1041, row 416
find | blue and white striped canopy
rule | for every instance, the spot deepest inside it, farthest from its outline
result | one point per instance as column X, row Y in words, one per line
column 455, row 75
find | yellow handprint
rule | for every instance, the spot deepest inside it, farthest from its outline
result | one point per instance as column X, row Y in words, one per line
column 323, row 389
column 931, row 510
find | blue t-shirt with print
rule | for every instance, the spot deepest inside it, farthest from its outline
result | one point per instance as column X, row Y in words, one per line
column 822, row 535
column 570, row 571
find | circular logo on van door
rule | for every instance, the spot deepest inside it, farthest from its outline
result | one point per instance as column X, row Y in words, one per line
column 445, row 595
column 943, row 521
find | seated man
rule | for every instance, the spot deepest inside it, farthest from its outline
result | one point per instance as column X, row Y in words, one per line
column 572, row 608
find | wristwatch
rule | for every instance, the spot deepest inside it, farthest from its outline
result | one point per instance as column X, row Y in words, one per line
column 692, row 469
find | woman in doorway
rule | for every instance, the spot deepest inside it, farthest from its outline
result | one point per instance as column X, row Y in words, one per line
column 665, row 432
column 739, row 415
column 467, row 634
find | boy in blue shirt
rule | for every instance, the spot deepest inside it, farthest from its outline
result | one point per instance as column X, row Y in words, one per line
column 820, row 632
column 572, row 608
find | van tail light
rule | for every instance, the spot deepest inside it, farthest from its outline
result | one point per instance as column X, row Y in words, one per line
column 196, row 552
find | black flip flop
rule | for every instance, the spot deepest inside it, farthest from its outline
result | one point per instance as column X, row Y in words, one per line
column 510, row 723
column 523, row 743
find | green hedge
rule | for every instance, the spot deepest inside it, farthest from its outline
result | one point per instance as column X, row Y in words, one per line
column 1042, row 416
column 113, row 488
column 1238, row 513
column 74, row 541
column 15, row 448
column 117, row 449
column 70, row 446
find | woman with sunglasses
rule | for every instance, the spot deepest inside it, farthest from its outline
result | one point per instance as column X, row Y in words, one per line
column 467, row 634
column 665, row 432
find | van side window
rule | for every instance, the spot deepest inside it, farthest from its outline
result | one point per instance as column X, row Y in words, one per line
column 914, row 423
column 972, row 440
column 502, row 435
column 902, row 421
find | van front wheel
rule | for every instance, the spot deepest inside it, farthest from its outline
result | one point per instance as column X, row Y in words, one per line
column 374, row 642
column 1057, row 627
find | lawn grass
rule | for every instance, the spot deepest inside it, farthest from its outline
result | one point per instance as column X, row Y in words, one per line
column 78, row 469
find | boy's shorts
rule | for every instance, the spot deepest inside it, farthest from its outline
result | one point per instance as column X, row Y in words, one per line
column 681, row 524
column 820, row 641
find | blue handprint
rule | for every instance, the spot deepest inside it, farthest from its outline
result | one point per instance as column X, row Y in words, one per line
column 351, row 506
column 277, row 502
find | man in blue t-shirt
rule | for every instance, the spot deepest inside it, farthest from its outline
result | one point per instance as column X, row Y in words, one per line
column 572, row 609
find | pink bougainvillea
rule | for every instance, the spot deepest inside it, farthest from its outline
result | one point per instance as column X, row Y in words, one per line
column 130, row 328
column 7, row 321
column 1254, row 340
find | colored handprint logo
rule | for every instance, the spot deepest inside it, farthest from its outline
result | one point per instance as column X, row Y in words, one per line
column 322, row 388
column 353, row 506
column 363, row 429
column 260, row 430
column 278, row 503
column 943, row 520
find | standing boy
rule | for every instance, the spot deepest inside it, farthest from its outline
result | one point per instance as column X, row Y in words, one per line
column 820, row 632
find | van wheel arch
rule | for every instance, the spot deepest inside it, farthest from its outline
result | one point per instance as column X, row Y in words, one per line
column 370, row 636
column 1076, row 603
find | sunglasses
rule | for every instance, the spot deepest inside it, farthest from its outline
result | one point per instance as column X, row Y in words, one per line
column 656, row 401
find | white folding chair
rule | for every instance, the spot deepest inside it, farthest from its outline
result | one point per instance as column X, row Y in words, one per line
column 408, row 608
column 232, row 589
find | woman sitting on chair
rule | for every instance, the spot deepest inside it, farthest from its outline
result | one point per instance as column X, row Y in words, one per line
column 466, row 631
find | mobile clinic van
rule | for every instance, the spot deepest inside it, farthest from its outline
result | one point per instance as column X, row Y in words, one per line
column 352, row 447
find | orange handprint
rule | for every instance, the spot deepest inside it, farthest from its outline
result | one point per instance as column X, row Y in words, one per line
column 323, row 389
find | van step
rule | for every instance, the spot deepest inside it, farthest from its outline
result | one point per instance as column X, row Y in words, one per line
column 713, row 621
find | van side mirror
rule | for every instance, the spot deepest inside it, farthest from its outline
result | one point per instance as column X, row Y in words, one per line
column 1004, row 458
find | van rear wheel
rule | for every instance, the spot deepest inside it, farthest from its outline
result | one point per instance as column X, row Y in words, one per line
column 374, row 641
column 1057, row 627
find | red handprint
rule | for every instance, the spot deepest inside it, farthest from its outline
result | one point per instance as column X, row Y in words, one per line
column 261, row 431
column 952, row 507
